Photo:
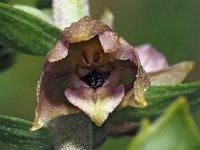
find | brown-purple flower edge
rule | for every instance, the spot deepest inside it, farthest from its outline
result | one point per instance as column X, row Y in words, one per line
column 90, row 69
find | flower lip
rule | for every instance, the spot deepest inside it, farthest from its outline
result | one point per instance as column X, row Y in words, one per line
column 95, row 79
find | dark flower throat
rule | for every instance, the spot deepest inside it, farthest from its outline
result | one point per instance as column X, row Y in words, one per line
column 95, row 79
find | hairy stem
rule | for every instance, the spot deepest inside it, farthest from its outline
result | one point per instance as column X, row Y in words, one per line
column 74, row 132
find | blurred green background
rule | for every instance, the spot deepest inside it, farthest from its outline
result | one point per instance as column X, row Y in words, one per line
column 172, row 26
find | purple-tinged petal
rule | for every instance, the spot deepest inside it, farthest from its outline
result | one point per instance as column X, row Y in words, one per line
column 109, row 41
column 84, row 30
column 121, row 50
column 151, row 59
column 97, row 104
column 173, row 75
column 114, row 78
column 60, row 51
column 51, row 101
column 79, row 83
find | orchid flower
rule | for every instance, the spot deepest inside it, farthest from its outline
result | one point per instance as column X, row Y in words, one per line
column 91, row 69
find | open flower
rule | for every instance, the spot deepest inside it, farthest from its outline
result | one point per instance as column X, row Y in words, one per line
column 91, row 69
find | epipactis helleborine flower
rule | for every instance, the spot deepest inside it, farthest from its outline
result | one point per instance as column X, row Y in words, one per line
column 90, row 69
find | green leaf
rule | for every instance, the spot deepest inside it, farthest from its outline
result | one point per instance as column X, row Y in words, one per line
column 34, row 11
column 7, row 58
column 67, row 11
column 159, row 97
column 16, row 133
column 25, row 32
column 174, row 130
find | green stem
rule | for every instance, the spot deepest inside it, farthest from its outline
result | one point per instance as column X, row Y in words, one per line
column 73, row 132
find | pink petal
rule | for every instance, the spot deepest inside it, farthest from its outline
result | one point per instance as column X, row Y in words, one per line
column 51, row 101
column 123, row 51
column 60, row 51
column 85, row 29
column 135, row 96
column 97, row 104
column 151, row 59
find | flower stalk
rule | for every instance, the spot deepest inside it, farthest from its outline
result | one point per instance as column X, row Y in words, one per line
column 73, row 132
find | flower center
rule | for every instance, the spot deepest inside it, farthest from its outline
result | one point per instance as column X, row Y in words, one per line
column 95, row 79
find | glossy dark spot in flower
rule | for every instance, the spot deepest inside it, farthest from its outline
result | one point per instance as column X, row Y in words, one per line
column 95, row 79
